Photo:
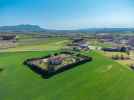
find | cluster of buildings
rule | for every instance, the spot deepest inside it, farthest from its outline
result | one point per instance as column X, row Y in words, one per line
column 79, row 44
column 120, row 40
column 105, row 38
column 128, row 40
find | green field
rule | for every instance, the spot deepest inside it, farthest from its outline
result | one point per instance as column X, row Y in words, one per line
column 37, row 44
column 101, row 79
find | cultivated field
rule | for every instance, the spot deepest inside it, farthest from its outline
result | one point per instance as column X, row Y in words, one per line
column 35, row 44
column 125, row 62
column 101, row 79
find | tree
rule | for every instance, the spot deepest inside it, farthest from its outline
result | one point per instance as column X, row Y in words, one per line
column 116, row 57
column 122, row 57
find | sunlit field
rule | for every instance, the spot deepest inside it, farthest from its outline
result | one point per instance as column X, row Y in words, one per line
column 100, row 79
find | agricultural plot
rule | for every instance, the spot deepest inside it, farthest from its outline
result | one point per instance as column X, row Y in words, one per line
column 101, row 79
column 121, row 57
column 31, row 44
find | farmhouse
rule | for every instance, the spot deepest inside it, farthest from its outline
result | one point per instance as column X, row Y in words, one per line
column 79, row 44
column 126, row 40
column 105, row 38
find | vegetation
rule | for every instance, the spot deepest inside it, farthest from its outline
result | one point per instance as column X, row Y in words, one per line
column 58, row 62
column 101, row 79
column 1, row 69
column 28, row 43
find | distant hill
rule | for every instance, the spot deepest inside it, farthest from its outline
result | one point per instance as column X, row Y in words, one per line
column 26, row 28
column 106, row 30
column 96, row 30
column 22, row 28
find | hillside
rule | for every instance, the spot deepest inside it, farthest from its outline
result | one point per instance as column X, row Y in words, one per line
column 101, row 79
column 21, row 28
column 26, row 28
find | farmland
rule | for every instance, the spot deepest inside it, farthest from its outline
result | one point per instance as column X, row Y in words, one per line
column 66, row 50
column 27, row 43
column 125, row 62
column 100, row 79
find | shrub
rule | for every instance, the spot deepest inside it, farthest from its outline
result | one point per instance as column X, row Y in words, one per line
column 1, row 69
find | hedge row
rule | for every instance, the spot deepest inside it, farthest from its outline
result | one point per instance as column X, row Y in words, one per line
column 47, row 74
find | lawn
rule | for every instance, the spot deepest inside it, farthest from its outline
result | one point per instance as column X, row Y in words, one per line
column 101, row 79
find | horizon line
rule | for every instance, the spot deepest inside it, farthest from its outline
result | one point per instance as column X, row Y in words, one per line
column 67, row 28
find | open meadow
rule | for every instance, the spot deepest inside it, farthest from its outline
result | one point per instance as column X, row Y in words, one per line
column 101, row 79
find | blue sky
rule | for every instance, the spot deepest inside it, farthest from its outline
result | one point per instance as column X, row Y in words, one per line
column 68, row 14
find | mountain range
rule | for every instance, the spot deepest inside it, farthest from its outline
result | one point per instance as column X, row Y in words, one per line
column 22, row 28
column 26, row 28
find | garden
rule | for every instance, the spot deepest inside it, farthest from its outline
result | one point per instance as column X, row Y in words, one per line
column 56, row 63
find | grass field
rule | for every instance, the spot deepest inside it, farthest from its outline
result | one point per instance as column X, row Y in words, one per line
column 38, row 44
column 101, row 79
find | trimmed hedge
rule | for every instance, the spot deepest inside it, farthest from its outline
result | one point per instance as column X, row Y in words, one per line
column 47, row 74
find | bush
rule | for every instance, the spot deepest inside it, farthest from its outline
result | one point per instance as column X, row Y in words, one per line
column 1, row 69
